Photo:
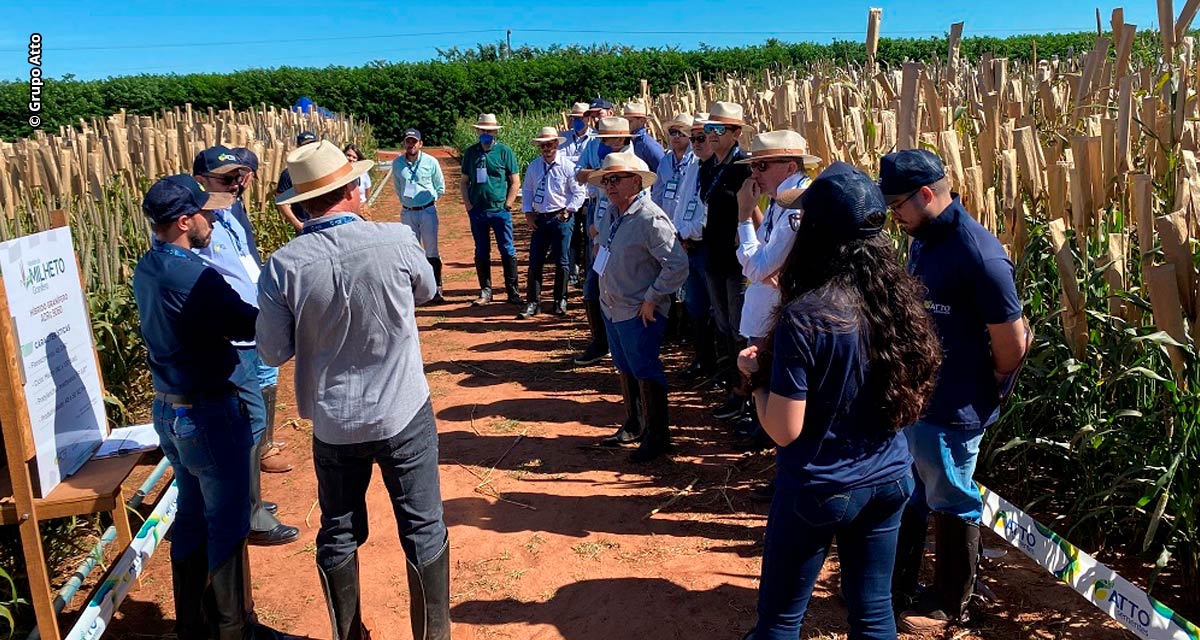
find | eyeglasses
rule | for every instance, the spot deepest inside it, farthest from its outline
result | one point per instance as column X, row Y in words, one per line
column 226, row 179
column 616, row 178
column 699, row 139
column 794, row 219
column 547, row 145
column 895, row 207
column 762, row 165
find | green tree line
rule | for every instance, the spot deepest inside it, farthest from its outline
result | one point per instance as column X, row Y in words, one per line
column 432, row 95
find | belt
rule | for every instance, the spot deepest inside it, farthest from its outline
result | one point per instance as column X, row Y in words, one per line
column 194, row 398
column 551, row 214
column 422, row 207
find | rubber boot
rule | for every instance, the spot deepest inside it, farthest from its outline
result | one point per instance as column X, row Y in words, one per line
column 189, row 580
column 956, row 563
column 704, row 345
column 341, row 588
column 532, row 300
column 429, row 597
column 483, row 271
column 657, row 439
column 560, row 291
column 910, row 551
column 509, row 263
column 436, row 263
column 599, row 345
column 631, row 430
column 260, row 518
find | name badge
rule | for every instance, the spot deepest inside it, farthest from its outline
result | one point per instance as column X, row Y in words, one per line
column 601, row 210
column 690, row 212
column 539, row 196
column 601, row 261
column 672, row 187
column 481, row 175
column 251, row 266
column 410, row 189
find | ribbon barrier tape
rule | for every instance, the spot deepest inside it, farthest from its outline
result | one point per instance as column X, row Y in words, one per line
column 129, row 566
column 1146, row 617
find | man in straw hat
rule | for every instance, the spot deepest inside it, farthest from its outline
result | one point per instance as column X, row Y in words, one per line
column 550, row 198
column 230, row 253
column 580, row 131
column 340, row 299
column 640, row 263
column 189, row 314
column 644, row 144
column 612, row 135
column 777, row 162
column 971, row 295
column 689, row 215
column 674, row 165
column 721, row 176
column 490, row 184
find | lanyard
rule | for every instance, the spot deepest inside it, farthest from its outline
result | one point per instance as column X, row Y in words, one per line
column 717, row 178
column 612, row 232
column 172, row 250
column 770, row 222
column 328, row 224
column 546, row 176
column 237, row 242
column 412, row 169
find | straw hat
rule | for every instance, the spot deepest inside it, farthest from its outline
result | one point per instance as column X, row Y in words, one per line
column 548, row 134
column 613, row 127
column 317, row 169
column 779, row 144
column 487, row 122
column 635, row 109
column 623, row 163
column 683, row 122
column 698, row 121
column 578, row 110
column 729, row 113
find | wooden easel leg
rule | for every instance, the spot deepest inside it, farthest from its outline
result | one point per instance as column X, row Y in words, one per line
column 39, row 579
column 120, row 514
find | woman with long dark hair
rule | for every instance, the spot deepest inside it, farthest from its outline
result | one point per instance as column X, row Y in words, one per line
column 853, row 360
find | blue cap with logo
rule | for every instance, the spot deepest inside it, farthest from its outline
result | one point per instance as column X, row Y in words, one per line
column 908, row 170
column 180, row 195
column 842, row 204
column 216, row 160
column 247, row 157
column 412, row 133
column 305, row 137
column 599, row 103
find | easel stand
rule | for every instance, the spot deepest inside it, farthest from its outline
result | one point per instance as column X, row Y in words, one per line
column 95, row 488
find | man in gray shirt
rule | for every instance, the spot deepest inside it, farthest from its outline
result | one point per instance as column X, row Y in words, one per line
column 339, row 298
column 641, row 262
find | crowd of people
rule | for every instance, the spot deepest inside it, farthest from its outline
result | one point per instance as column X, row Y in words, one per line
column 873, row 380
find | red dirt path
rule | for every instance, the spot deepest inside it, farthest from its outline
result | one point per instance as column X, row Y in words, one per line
column 550, row 536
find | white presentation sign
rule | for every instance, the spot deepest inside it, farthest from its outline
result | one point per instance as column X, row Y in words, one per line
column 62, row 385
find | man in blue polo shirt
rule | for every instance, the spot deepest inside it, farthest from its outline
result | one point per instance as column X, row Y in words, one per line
column 418, row 180
column 219, row 171
column 189, row 314
column 975, row 308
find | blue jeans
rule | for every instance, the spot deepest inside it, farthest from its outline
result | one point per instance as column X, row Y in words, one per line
column 800, row 529
column 553, row 235
column 499, row 224
column 209, row 449
column 246, row 379
column 695, row 289
column 408, row 462
column 944, row 459
column 635, row 347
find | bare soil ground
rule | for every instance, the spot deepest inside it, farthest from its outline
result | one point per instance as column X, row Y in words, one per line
column 555, row 538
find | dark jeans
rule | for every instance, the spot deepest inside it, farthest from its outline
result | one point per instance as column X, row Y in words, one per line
column 726, row 293
column 209, row 449
column 497, row 223
column 579, row 237
column 800, row 529
column 635, row 347
column 695, row 288
column 409, row 464
column 551, row 235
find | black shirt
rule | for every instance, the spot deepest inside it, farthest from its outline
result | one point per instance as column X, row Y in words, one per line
column 719, row 184
column 285, row 183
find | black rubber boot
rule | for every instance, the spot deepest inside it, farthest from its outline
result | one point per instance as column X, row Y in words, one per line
column 436, row 263
column 511, row 287
column 910, row 551
column 657, row 439
column 532, row 300
column 560, row 291
column 261, row 519
column 429, row 597
column 189, row 580
column 599, row 345
column 631, row 430
column 269, row 395
column 232, row 605
column 956, row 564
column 483, row 271
column 342, row 595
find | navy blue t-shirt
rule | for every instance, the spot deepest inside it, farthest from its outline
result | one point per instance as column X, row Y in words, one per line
column 969, row 279
column 821, row 357
column 285, row 183
column 189, row 314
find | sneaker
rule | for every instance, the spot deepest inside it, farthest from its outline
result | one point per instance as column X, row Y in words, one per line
column 560, row 307
column 731, row 408
column 485, row 296
column 530, row 310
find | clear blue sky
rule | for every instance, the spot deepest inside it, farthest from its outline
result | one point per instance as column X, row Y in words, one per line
column 125, row 37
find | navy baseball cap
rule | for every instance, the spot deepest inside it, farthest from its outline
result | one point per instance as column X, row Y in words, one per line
column 247, row 157
column 216, row 160
column 842, row 204
column 906, row 171
column 305, row 137
column 599, row 103
column 180, row 195
column 412, row 133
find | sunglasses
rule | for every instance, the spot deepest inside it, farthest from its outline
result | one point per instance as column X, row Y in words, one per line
column 895, row 207
column 547, row 145
column 676, row 133
column 716, row 129
column 699, row 138
column 608, row 181
column 762, row 165
column 226, row 179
